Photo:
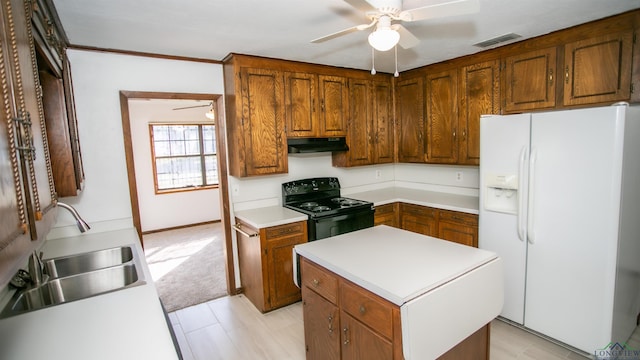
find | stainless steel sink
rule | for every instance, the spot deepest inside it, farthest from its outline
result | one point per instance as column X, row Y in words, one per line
column 85, row 262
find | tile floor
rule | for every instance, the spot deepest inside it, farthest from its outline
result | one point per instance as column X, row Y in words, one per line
column 232, row 328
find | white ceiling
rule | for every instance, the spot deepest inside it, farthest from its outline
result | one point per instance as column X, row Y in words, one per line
column 211, row 29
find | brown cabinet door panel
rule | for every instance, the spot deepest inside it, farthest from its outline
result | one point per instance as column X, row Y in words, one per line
column 480, row 94
column 283, row 291
column 360, row 144
column 442, row 117
column 410, row 115
column 598, row 69
column 383, row 122
column 300, row 98
column 321, row 327
column 460, row 233
column 334, row 103
column 531, row 80
column 361, row 343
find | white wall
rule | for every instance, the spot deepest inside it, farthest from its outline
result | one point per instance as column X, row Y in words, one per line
column 162, row 211
column 97, row 79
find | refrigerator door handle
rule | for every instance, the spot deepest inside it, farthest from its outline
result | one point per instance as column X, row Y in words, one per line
column 521, row 173
column 531, row 236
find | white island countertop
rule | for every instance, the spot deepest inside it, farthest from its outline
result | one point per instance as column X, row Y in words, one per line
column 445, row 291
column 125, row 324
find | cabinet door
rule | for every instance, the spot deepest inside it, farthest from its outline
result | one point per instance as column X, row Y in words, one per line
column 360, row 125
column 334, row 103
column 480, row 94
column 263, row 122
column 442, row 117
column 458, row 227
column 419, row 219
column 361, row 343
column 321, row 327
column 386, row 215
column 530, row 80
column 253, row 266
column 383, row 148
column 300, row 101
column 410, row 115
column 282, row 290
column 598, row 69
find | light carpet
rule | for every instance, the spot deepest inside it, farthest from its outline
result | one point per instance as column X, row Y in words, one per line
column 187, row 265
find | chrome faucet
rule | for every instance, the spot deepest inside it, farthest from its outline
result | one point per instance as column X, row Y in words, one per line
column 36, row 269
column 82, row 225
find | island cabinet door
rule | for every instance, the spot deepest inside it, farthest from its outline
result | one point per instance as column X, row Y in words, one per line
column 361, row 343
column 321, row 326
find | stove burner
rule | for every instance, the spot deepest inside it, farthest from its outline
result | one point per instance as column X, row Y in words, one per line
column 308, row 205
column 345, row 202
column 320, row 208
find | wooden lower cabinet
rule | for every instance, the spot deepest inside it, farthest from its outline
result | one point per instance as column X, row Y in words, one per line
column 266, row 265
column 386, row 215
column 419, row 219
column 458, row 227
column 345, row 321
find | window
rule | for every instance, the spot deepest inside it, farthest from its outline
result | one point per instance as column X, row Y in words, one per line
column 184, row 156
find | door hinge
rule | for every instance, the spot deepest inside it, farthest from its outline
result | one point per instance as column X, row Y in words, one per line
column 634, row 38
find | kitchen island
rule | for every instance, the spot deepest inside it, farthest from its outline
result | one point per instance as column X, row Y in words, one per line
column 396, row 294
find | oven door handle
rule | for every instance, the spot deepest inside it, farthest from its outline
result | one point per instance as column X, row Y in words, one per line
column 335, row 218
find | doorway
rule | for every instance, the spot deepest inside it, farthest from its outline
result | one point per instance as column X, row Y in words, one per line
column 216, row 101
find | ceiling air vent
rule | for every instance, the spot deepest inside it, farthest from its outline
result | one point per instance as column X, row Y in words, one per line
column 497, row 40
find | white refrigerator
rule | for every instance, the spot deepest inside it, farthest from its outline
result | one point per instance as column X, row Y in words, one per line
column 560, row 204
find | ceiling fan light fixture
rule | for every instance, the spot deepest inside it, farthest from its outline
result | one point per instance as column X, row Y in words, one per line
column 384, row 39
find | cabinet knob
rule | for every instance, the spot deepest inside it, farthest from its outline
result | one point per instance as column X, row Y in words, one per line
column 566, row 74
column 330, row 323
column 315, row 282
column 346, row 336
column 362, row 310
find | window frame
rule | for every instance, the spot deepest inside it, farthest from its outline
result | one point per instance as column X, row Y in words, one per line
column 201, row 155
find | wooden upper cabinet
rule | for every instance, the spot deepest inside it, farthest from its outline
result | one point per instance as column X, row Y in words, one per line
column 301, row 93
column 334, row 105
column 264, row 139
column 383, row 148
column 410, row 117
column 479, row 94
column 530, row 80
column 360, row 125
column 442, row 117
column 598, row 69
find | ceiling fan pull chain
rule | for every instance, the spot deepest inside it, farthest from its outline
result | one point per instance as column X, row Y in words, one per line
column 373, row 61
column 396, row 74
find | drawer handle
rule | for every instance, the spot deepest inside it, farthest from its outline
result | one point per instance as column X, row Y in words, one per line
column 362, row 310
column 346, row 335
column 330, row 324
column 316, row 282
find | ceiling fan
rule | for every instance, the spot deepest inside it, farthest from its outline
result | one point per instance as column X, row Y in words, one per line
column 383, row 13
column 209, row 114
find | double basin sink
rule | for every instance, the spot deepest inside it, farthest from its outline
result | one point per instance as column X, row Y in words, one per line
column 80, row 276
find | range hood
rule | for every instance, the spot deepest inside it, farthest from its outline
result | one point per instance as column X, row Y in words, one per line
column 311, row 145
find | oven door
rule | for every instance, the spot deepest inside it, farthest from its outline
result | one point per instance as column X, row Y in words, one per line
column 320, row 228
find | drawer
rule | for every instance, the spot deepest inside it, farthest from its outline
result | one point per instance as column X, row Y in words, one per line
column 324, row 282
column 419, row 210
column 284, row 230
column 458, row 217
column 385, row 209
column 367, row 308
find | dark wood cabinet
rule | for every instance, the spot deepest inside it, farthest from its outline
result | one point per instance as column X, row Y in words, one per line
column 479, row 95
column 410, row 120
column 386, row 215
column 334, row 105
column 370, row 128
column 266, row 265
column 321, row 326
column 458, row 227
column 598, row 69
column 442, row 117
column 419, row 219
column 255, row 111
column 301, row 93
column 530, row 80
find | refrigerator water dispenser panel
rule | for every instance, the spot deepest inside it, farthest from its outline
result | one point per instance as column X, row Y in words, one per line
column 501, row 193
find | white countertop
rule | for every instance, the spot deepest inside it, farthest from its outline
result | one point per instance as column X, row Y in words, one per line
column 125, row 324
column 270, row 216
column 440, row 200
column 395, row 264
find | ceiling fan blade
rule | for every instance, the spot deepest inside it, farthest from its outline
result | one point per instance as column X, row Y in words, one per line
column 444, row 9
column 336, row 34
column 407, row 39
column 361, row 5
column 191, row 107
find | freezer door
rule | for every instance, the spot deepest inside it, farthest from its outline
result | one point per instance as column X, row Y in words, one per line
column 504, row 149
column 574, row 204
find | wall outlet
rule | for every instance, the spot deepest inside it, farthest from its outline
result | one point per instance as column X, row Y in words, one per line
column 458, row 176
column 378, row 174
column 235, row 189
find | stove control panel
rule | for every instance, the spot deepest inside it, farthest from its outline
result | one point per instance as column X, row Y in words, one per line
column 312, row 185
